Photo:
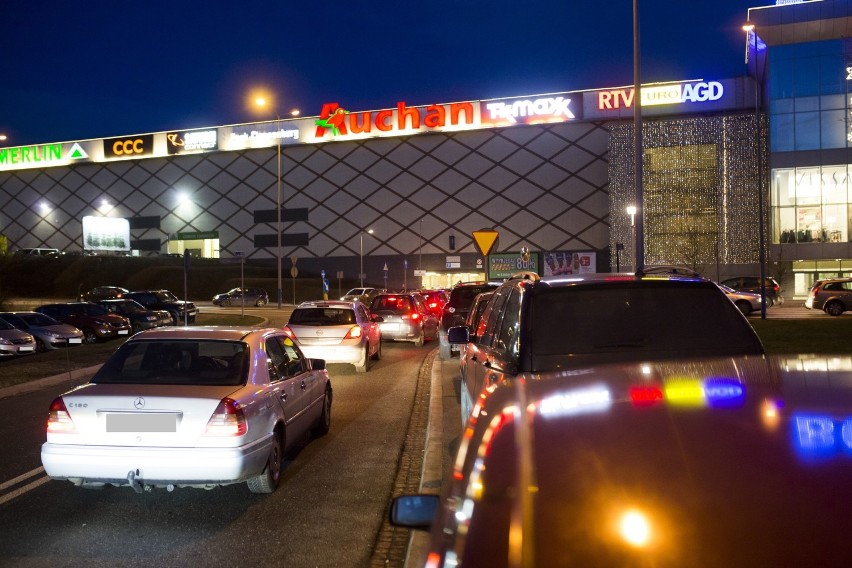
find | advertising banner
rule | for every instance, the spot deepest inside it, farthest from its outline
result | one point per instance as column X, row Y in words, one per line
column 192, row 141
column 532, row 110
column 504, row 264
column 129, row 147
column 558, row 263
column 106, row 234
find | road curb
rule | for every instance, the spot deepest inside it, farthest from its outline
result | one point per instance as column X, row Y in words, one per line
column 38, row 384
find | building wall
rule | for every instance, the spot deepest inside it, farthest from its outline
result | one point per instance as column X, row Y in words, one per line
column 541, row 186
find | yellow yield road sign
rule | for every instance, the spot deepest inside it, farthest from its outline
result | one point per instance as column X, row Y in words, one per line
column 485, row 239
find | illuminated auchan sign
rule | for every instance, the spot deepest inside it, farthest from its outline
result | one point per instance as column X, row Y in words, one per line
column 553, row 108
column 335, row 122
column 676, row 93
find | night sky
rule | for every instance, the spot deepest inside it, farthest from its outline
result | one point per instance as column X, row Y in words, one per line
column 95, row 69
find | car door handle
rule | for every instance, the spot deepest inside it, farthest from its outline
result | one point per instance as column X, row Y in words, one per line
column 303, row 385
column 283, row 396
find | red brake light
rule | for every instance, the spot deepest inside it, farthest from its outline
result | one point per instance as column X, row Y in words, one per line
column 58, row 419
column 412, row 316
column 354, row 332
column 227, row 420
column 289, row 332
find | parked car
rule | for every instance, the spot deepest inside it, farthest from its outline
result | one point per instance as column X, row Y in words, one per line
column 833, row 296
column 165, row 300
column 48, row 333
column 95, row 321
column 538, row 325
column 13, row 341
column 141, row 318
column 42, row 252
column 251, row 296
column 337, row 331
column 404, row 317
column 179, row 407
column 103, row 293
column 752, row 284
column 363, row 295
column 456, row 309
column 472, row 323
column 435, row 301
column 650, row 464
column 746, row 302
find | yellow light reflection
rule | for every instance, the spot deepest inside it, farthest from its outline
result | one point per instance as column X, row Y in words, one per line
column 635, row 528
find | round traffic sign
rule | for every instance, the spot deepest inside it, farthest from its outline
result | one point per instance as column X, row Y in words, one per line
column 294, row 272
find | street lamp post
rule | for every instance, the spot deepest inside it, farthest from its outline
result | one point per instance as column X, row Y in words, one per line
column 639, row 225
column 749, row 29
column 278, row 204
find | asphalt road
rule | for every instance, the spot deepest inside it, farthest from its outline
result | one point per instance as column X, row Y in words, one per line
column 330, row 509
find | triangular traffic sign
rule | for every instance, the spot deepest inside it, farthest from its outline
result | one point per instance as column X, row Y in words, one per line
column 485, row 240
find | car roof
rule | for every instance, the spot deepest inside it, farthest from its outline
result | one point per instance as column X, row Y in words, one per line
column 201, row 332
column 730, row 462
column 328, row 304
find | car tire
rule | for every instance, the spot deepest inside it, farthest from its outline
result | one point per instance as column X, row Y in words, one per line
column 420, row 339
column 744, row 307
column 41, row 347
column 174, row 317
column 834, row 308
column 378, row 354
column 365, row 362
column 323, row 424
column 268, row 480
column 260, row 303
column 225, row 303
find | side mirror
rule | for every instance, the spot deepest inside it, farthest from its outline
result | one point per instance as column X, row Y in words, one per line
column 458, row 334
column 414, row 511
column 317, row 364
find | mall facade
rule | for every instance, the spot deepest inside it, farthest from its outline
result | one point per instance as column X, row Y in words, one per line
column 407, row 191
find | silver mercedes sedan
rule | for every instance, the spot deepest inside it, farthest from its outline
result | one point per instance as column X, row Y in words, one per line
column 189, row 407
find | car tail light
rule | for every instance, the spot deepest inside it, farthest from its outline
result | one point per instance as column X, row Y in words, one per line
column 354, row 332
column 58, row 419
column 289, row 332
column 228, row 420
column 412, row 316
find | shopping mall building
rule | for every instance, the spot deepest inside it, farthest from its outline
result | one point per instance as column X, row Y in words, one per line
column 416, row 194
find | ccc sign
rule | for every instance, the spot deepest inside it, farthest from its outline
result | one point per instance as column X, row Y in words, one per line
column 128, row 147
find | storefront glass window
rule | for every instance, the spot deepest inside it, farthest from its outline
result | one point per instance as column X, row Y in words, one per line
column 815, row 208
column 833, row 129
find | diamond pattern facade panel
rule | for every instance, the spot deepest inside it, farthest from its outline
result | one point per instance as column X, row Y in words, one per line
column 542, row 186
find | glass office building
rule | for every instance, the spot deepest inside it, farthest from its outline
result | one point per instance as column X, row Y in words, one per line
column 801, row 58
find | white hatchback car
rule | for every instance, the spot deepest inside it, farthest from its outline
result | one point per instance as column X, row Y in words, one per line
column 189, row 407
column 337, row 331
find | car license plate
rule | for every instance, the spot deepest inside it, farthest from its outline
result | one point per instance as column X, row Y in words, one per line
column 24, row 349
column 454, row 348
column 122, row 332
column 75, row 340
column 141, row 422
column 390, row 327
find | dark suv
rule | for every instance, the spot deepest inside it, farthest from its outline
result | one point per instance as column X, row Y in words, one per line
column 165, row 300
column 752, row 284
column 539, row 325
column 833, row 296
column 456, row 309
column 95, row 321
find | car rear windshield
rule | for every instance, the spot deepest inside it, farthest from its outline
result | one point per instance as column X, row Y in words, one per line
column 322, row 316
column 397, row 304
column 461, row 298
column 176, row 362
column 634, row 321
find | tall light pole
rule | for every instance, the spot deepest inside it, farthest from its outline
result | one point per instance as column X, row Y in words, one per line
column 261, row 102
column 748, row 28
column 361, row 271
column 639, row 225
